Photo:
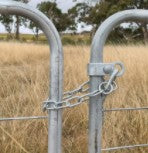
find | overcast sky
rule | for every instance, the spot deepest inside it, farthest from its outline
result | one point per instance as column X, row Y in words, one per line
column 63, row 4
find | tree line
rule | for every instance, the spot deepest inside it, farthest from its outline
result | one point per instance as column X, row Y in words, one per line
column 83, row 13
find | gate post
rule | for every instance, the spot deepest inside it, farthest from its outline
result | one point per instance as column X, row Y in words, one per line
column 96, row 103
column 9, row 7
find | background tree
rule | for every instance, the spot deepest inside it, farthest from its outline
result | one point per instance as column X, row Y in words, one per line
column 108, row 7
column 7, row 21
column 78, row 15
column 142, row 4
column 35, row 29
column 19, row 21
column 60, row 20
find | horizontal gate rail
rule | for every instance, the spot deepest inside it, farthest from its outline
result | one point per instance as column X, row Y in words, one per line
column 125, row 147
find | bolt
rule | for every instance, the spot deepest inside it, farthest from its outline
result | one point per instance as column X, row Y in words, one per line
column 108, row 69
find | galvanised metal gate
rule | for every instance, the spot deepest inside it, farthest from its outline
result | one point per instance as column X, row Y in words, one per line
column 96, row 103
column 96, row 89
column 56, row 63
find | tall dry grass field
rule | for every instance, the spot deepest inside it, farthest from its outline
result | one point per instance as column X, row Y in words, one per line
column 24, row 71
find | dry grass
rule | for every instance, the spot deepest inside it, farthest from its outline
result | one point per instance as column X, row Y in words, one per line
column 24, row 85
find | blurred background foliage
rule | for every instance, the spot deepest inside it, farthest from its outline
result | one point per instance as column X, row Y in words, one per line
column 82, row 14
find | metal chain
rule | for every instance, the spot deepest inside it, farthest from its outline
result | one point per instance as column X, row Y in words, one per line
column 71, row 98
column 83, row 88
column 75, row 97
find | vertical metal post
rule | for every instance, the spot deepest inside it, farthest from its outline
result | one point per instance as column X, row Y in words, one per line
column 56, row 63
column 96, row 103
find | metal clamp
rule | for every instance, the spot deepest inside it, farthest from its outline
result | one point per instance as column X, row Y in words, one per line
column 102, row 69
column 47, row 104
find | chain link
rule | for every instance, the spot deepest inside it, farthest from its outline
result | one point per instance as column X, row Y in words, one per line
column 82, row 94
column 71, row 99
column 83, row 88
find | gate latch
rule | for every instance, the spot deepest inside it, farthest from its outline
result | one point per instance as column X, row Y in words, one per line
column 102, row 69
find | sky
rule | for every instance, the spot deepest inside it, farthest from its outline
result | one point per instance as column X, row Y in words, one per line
column 63, row 4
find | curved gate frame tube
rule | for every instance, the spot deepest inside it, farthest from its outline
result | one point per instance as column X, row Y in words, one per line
column 96, row 103
column 10, row 7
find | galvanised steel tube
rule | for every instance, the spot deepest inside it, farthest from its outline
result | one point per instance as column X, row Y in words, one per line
column 56, row 63
column 96, row 103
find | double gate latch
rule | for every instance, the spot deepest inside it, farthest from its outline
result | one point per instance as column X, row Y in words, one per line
column 103, row 69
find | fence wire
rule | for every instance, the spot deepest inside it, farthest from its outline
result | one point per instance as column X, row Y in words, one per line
column 106, row 110
column 45, row 117
column 125, row 147
column 23, row 118
column 125, row 109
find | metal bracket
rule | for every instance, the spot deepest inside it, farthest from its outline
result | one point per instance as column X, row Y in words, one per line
column 102, row 69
